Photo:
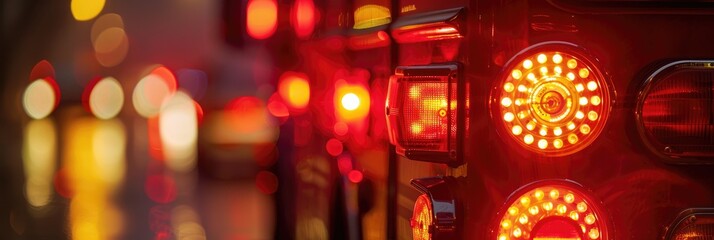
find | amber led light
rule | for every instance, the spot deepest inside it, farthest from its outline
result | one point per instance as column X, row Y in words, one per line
column 551, row 211
column 554, row 102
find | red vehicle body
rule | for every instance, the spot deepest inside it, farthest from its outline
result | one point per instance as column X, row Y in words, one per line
column 646, row 158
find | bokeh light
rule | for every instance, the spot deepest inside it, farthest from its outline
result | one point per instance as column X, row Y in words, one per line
column 93, row 169
column 109, row 146
column 39, row 99
column 352, row 101
column 178, row 128
column 261, row 18
column 84, row 10
column 341, row 128
column 186, row 223
column 245, row 120
column 151, row 91
column 303, row 18
column 106, row 21
column 111, row 46
column 276, row 107
column 43, row 69
column 106, row 98
column 39, row 154
column 334, row 147
column 295, row 90
column 266, row 182
column 160, row 188
column 355, row 176
column 95, row 155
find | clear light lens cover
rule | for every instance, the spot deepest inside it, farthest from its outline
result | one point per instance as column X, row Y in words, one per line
column 676, row 110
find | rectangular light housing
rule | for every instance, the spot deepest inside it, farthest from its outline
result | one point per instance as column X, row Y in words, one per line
column 423, row 112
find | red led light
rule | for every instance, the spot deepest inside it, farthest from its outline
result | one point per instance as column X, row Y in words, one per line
column 551, row 101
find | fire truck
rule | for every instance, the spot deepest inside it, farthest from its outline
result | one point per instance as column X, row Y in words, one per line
column 541, row 119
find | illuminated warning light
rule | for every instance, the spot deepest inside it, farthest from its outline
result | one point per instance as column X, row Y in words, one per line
column 430, row 222
column 371, row 15
column 352, row 101
column 423, row 112
column 561, row 107
column 675, row 112
column 693, row 223
column 355, row 176
column 303, row 18
column 446, row 25
column 551, row 210
column 294, row 89
column 261, row 18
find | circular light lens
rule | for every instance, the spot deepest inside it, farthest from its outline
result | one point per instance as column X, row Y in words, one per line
column 421, row 218
column 562, row 103
column 552, row 211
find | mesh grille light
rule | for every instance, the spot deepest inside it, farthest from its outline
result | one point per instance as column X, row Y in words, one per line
column 424, row 114
column 552, row 99
column 550, row 210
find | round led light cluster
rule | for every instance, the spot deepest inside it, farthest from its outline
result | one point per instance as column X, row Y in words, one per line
column 551, row 212
column 553, row 102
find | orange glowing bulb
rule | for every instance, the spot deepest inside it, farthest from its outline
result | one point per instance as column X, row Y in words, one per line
column 350, row 101
column 261, row 18
column 527, row 64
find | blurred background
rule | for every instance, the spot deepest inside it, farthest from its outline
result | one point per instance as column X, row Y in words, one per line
column 191, row 119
